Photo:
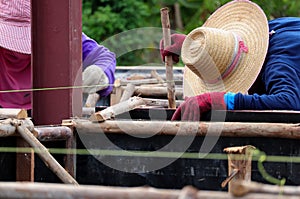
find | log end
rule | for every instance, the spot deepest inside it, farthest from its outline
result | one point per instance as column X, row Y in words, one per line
column 96, row 117
column 238, row 149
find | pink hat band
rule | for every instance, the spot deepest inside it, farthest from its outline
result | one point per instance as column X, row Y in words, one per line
column 15, row 26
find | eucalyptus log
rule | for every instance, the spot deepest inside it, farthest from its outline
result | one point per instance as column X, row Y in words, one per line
column 112, row 111
column 27, row 190
column 53, row 133
column 159, row 91
column 128, row 92
column 226, row 129
column 92, row 100
column 160, row 102
column 241, row 188
column 88, row 111
column 157, row 76
column 7, row 129
column 13, row 113
column 136, row 82
column 44, row 154
column 168, row 59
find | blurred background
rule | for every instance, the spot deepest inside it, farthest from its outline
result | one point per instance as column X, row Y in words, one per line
column 103, row 19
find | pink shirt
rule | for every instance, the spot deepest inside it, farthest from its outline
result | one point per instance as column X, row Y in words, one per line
column 15, row 76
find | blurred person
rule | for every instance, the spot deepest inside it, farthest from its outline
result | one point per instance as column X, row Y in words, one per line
column 238, row 61
column 15, row 58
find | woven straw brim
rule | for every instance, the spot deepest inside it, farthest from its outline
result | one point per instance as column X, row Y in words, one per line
column 247, row 20
column 15, row 38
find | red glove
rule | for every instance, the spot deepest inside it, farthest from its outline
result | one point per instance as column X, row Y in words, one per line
column 194, row 107
column 174, row 49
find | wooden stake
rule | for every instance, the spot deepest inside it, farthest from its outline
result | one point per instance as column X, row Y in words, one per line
column 168, row 59
column 45, row 155
column 239, row 165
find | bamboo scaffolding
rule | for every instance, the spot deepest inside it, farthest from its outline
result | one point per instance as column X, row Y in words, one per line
column 227, row 129
column 13, row 190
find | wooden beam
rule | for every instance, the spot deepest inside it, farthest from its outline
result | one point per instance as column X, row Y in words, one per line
column 56, row 60
column 24, row 162
column 227, row 129
column 12, row 190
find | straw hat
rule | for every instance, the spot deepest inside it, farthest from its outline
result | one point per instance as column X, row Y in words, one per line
column 15, row 28
column 228, row 51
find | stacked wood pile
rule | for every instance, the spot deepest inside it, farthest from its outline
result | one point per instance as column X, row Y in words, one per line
column 152, row 85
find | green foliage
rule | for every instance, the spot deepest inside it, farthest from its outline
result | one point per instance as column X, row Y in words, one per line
column 102, row 19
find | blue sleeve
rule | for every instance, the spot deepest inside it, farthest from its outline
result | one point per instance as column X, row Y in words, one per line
column 281, row 71
column 95, row 54
column 229, row 100
column 283, row 91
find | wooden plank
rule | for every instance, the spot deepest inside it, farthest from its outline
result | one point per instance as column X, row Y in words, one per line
column 24, row 162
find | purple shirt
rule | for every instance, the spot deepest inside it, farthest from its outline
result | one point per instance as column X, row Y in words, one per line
column 15, row 72
column 95, row 54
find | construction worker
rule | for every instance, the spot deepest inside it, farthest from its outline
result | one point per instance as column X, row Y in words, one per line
column 239, row 61
column 15, row 58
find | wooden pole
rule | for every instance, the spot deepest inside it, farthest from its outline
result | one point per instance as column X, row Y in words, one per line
column 45, row 155
column 13, row 190
column 112, row 111
column 241, row 188
column 157, row 91
column 168, row 59
column 228, row 129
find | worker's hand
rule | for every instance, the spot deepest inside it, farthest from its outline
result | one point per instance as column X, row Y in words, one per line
column 174, row 49
column 94, row 79
column 194, row 107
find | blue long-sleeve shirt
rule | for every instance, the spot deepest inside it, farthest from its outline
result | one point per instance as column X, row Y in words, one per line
column 95, row 54
column 280, row 73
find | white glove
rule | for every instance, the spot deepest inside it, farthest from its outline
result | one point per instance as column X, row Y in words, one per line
column 94, row 79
